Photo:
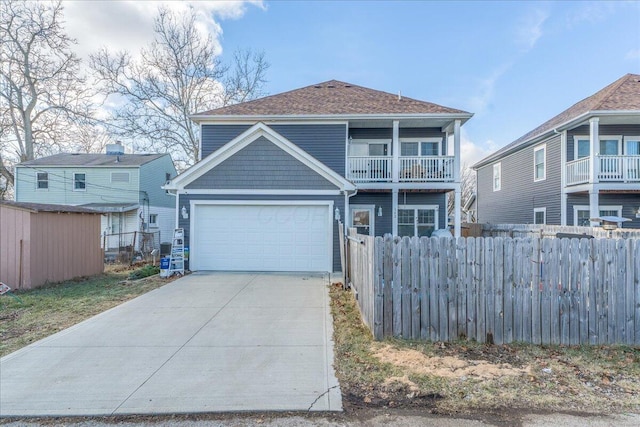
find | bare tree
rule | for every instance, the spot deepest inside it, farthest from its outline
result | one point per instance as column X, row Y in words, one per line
column 41, row 91
column 179, row 74
column 467, row 186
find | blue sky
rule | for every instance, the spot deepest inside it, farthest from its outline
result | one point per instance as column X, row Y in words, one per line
column 513, row 64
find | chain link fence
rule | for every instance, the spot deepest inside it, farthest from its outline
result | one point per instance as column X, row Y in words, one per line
column 127, row 248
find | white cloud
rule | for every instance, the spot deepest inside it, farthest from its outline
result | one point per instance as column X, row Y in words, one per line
column 472, row 152
column 530, row 28
column 480, row 101
column 128, row 25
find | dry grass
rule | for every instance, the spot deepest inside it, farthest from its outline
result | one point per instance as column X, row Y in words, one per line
column 44, row 311
column 468, row 377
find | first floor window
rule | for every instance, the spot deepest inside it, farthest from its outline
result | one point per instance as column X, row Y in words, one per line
column 153, row 219
column 79, row 182
column 362, row 219
column 43, row 180
column 417, row 220
column 540, row 216
column 582, row 214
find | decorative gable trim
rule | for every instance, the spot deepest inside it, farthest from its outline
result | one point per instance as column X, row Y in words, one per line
column 245, row 139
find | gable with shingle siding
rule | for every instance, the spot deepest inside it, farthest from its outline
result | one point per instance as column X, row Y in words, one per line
column 261, row 165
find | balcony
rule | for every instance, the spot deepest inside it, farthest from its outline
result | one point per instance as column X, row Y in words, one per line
column 610, row 169
column 411, row 169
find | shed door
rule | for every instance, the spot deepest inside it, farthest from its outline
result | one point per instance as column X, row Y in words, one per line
column 261, row 237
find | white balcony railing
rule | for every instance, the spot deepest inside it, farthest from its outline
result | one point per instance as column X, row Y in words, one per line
column 426, row 168
column 370, row 169
column 611, row 169
column 578, row 171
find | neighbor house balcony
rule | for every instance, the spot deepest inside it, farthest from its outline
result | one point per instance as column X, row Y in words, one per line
column 623, row 169
column 410, row 169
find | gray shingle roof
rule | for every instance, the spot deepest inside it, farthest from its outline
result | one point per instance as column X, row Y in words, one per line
column 73, row 159
column 621, row 95
column 43, row 207
column 331, row 98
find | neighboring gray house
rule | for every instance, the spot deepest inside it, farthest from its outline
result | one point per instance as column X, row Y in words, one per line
column 278, row 171
column 581, row 164
column 126, row 188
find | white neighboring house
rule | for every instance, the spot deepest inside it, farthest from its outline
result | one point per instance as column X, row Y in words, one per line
column 126, row 188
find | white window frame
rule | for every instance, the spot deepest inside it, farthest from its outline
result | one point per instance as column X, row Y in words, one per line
column 368, row 142
column 121, row 182
column 38, row 181
column 542, row 147
column 544, row 218
column 419, row 140
column 600, row 138
column 415, row 208
column 74, row 181
column 372, row 213
column 497, row 172
column 629, row 139
column 577, row 208
column 153, row 223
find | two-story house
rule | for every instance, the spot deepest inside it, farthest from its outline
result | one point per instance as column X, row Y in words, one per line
column 583, row 163
column 278, row 172
column 126, row 188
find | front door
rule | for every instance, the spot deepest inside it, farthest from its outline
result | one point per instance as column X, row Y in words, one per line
column 362, row 219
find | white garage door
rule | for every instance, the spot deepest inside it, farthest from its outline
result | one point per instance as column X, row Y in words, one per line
column 266, row 237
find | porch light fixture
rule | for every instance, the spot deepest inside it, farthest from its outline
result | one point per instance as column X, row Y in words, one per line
column 184, row 212
column 379, row 210
column 336, row 214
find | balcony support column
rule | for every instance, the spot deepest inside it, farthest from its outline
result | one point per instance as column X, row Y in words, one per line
column 395, row 163
column 456, row 151
column 594, row 202
column 394, row 211
column 563, row 178
column 594, row 150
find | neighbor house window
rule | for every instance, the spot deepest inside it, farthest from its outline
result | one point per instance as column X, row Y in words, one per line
column 79, row 182
column 581, row 214
column 417, row 220
column 42, row 180
column 539, row 163
column 153, row 219
column 497, row 176
column 540, row 216
column 122, row 177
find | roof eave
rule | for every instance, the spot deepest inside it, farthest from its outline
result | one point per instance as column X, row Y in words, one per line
column 569, row 124
column 198, row 118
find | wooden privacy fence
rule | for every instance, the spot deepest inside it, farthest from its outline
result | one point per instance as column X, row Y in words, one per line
column 541, row 231
column 499, row 290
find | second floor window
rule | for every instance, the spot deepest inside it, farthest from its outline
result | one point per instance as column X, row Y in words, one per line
column 497, row 177
column 79, row 182
column 425, row 147
column 540, row 162
column 42, row 180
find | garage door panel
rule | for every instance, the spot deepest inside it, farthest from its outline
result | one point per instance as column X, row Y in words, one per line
column 262, row 237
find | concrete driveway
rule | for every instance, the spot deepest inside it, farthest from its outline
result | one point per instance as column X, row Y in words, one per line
column 206, row 342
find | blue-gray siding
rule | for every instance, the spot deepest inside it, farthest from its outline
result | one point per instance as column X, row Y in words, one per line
column 153, row 176
column 325, row 142
column 519, row 194
column 629, row 202
column 263, row 165
column 337, row 200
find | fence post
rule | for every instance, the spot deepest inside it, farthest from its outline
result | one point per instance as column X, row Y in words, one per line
column 378, row 307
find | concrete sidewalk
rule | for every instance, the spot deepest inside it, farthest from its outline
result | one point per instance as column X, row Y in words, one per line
column 206, row 342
